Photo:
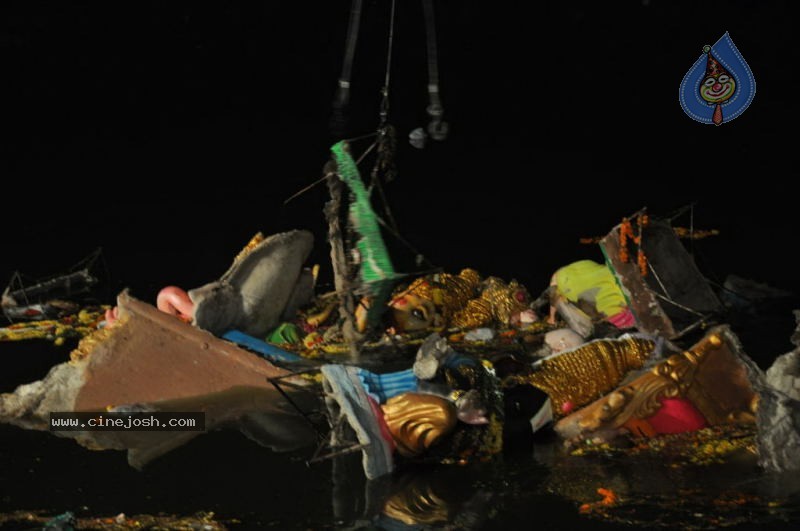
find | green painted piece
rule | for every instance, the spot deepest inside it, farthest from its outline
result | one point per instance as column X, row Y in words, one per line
column 284, row 334
column 376, row 271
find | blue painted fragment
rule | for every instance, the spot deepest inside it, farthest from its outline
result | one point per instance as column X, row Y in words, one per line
column 262, row 347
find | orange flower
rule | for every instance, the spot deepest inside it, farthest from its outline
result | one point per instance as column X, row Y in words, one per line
column 641, row 259
column 609, row 497
column 625, row 232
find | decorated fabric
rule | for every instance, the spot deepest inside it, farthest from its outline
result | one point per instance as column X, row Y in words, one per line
column 593, row 282
column 346, row 397
column 623, row 319
column 382, row 387
column 677, row 415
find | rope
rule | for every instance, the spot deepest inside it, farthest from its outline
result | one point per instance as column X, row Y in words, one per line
column 677, row 304
column 356, row 138
column 421, row 257
column 330, row 174
column 309, row 187
column 678, row 213
column 376, row 183
column 658, row 279
column 366, row 152
column 385, row 133
column 384, row 111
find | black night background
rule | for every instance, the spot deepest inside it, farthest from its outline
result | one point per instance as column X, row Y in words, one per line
column 169, row 133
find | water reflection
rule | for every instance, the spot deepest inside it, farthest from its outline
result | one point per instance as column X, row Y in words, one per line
column 533, row 486
column 424, row 497
column 562, row 491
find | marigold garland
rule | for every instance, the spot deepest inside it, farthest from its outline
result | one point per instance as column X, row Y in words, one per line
column 625, row 233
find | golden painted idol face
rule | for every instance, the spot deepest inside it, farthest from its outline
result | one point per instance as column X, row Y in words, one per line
column 417, row 421
column 716, row 89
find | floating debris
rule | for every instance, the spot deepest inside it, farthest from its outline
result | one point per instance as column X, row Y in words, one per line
column 609, row 499
column 51, row 297
column 200, row 521
column 702, row 447
column 684, row 233
column 76, row 326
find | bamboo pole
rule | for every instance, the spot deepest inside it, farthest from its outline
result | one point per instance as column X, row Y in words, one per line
column 342, row 274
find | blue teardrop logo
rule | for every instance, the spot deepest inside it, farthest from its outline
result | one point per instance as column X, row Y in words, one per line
column 719, row 86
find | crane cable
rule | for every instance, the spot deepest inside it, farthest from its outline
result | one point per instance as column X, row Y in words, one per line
column 342, row 98
column 384, row 109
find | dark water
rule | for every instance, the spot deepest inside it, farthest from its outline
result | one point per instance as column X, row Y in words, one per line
column 249, row 487
column 225, row 473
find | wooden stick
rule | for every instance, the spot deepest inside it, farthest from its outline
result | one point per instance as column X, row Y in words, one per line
column 341, row 269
